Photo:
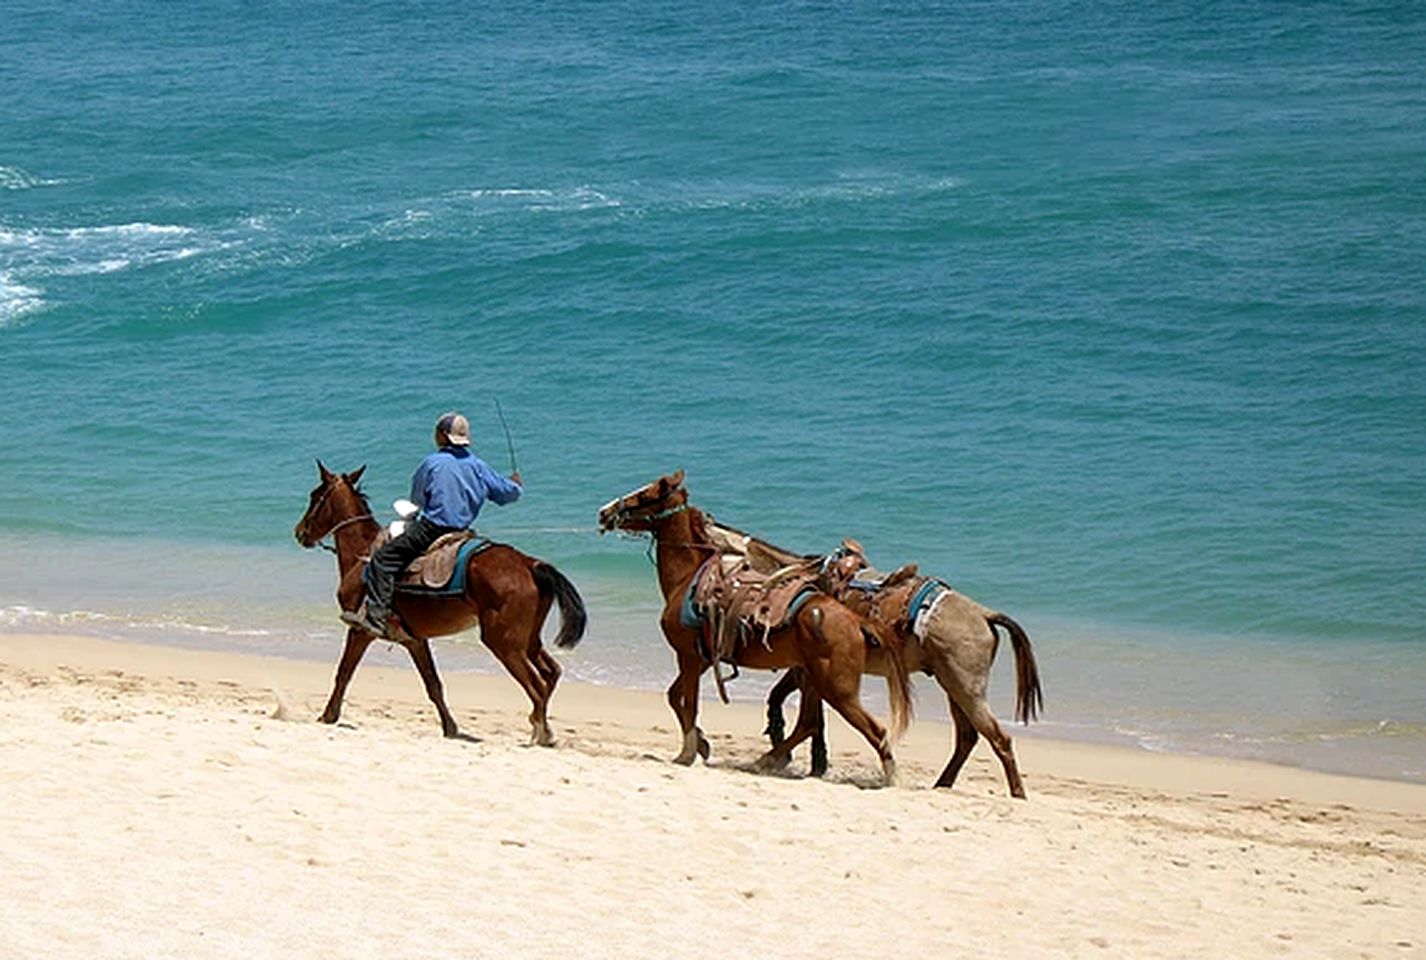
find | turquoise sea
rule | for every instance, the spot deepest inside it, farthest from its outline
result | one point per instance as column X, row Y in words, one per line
column 1113, row 315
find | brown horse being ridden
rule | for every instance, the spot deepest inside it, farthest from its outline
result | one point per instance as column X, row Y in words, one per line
column 955, row 641
column 506, row 592
column 824, row 637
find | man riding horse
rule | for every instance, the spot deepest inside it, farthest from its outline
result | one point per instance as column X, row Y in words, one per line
column 450, row 486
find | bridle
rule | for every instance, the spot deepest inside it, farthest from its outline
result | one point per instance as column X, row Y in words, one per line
column 321, row 502
column 622, row 513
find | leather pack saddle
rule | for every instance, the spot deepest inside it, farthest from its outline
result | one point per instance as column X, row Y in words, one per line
column 752, row 588
column 846, row 574
column 734, row 601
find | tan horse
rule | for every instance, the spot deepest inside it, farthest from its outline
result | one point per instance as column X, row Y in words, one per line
column 956, row 645
column 824, row 637
column 507, row 593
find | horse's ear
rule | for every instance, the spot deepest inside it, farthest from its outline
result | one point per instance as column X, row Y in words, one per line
column 324, row 472
column 355, row 475
column 674, row 480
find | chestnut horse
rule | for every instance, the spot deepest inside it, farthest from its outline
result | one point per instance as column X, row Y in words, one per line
column 824, row 637
column 506, row 592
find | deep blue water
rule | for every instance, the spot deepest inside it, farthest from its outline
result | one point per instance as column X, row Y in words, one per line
column 1111, row 316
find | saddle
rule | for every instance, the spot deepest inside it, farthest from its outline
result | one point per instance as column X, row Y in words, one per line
column 733, row 600
column 739, row 593
column 441, row 568
column 436, row 567
column 895, row 599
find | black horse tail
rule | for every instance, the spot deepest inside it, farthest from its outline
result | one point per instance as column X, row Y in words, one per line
column 573, row 618
column 1029, row 700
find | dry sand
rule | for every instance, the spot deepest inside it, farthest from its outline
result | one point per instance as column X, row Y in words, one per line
column 169, row 803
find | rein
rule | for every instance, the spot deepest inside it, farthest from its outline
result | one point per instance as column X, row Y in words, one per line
column 654, row 534
column 345, row 523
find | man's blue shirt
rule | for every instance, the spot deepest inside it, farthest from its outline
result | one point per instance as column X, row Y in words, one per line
column 452, row 484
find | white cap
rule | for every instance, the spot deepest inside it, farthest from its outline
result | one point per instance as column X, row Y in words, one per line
column 455, row 427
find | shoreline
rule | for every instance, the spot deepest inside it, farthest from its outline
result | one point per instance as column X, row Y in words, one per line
column 921, row 753
column 178, row 802
column 1099, row 747
column 1301, row 703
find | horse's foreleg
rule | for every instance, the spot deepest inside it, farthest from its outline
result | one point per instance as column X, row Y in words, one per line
column 683, row 698
column 817, row 717
column 966, row 737
column 811, row 713
column 420, row 650
column 357, row 642
column 777, row 696
column 810, row 723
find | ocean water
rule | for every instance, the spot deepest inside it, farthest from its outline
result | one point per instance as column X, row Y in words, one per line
column 1113, row 317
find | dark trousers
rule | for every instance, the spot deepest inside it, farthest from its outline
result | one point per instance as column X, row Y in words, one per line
column 388, row 562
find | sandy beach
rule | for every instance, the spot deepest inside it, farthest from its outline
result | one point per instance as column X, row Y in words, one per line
column 175, row 803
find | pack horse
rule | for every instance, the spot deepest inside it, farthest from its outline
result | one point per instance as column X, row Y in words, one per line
column 813, row 631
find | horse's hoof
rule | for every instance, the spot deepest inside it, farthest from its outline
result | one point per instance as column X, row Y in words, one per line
column 328, row 717
column 770, row 763
column 450, row 732
column 684, row 761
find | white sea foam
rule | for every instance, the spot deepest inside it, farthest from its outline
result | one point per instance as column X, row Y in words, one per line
column 22, row 617
column 110, row 265
column 572, row 200
column 506, row 192
column 856, row 187
column 16, row 300
column 82, row 251
column 581, row 198
column 129, row 230
column 13, row 178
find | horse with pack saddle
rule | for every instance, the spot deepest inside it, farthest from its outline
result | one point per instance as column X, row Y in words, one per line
column 721, row 609
column 461, row 581
column 942, row 632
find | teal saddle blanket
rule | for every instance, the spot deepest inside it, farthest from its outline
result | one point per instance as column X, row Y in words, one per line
column 455, row 586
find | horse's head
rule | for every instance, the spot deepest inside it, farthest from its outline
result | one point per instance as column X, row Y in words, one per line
column 330, row 503
column 642, row 508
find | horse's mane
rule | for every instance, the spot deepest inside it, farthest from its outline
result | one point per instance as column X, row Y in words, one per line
column 698, row 526
column 361, row 495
